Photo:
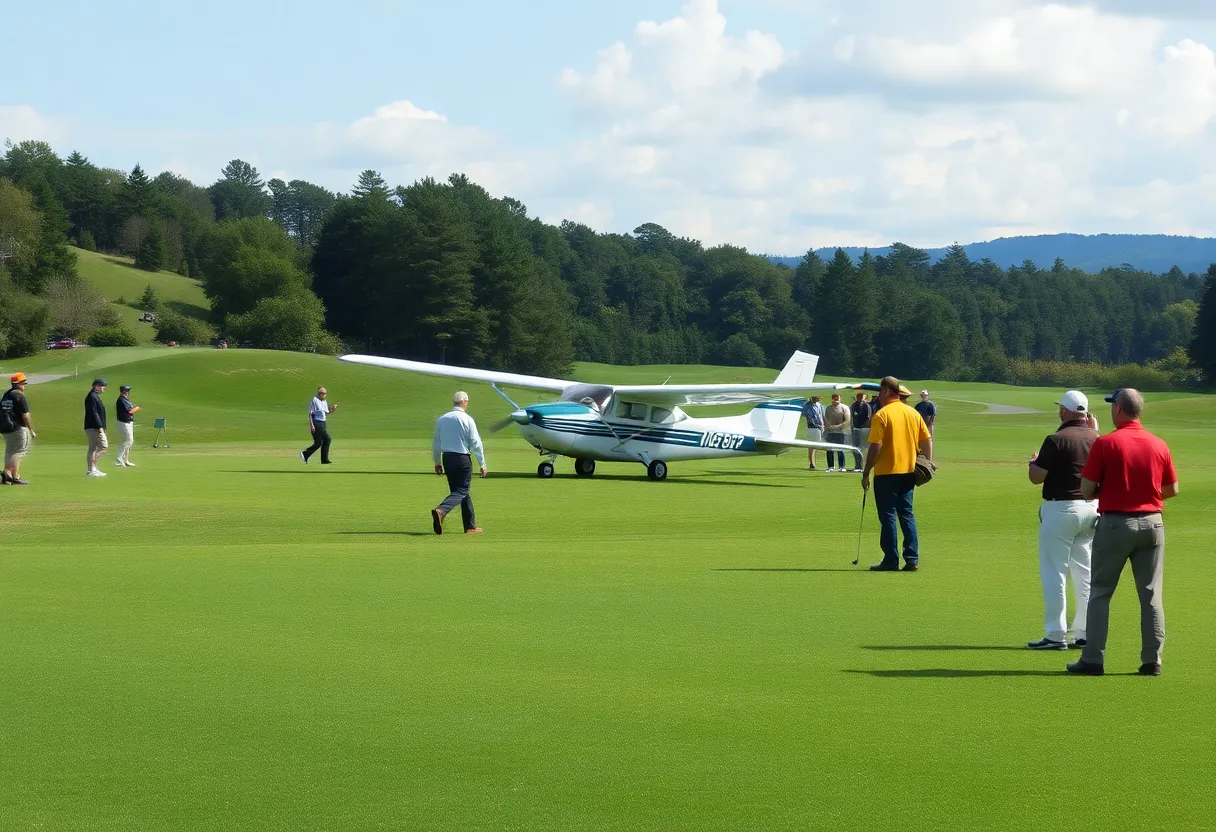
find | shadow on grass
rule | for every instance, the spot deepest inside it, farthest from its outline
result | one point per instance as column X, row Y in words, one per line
column 190, row 310
column 514, row 475
column 784, row 569
column 406, row 534
column 944, row 647
column 951, row 673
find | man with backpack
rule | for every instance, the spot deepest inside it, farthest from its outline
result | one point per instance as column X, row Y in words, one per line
column 17, row 428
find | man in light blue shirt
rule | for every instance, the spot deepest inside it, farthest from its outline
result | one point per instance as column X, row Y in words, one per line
column 456, row 438
column 318, row 425
column 813, row 411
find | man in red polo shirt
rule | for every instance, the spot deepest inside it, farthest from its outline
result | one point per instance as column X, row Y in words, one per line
column 1132, row 474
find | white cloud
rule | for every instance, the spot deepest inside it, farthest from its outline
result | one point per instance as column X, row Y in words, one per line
column 23, row 123
column 868, row 121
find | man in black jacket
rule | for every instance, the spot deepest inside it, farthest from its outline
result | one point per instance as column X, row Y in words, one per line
column 95, row 426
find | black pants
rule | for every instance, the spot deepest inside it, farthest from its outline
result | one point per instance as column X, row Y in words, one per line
column 459, row 470
column 320, row 439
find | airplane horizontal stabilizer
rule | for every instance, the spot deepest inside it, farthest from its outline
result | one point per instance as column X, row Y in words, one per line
column 780, row 446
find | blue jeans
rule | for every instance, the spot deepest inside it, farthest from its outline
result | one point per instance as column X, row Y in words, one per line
column 893, row 499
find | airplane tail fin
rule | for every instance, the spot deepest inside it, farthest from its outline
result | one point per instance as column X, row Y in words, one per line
column 780, row 419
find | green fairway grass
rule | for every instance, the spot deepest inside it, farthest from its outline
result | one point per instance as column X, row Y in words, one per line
column 225, row 638
column 116, row 277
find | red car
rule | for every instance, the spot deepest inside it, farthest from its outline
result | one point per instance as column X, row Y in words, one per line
column 61, row 344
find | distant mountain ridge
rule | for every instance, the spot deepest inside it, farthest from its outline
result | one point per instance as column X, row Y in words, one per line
column 1091, row 253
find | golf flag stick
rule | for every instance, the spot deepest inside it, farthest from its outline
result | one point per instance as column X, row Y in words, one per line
column 861, row 525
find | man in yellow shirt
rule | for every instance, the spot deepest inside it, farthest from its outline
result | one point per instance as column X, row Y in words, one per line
column 897, row 432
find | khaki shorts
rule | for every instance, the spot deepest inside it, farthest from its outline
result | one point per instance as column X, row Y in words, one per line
column 97, row 440
column 16, row 444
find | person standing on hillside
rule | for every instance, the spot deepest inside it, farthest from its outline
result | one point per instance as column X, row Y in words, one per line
column 812, row 411
column 927, row 410
column 896, row 433
column 318, row 425
column 456, row 442
column 18, row 429
column 835, row 426
column 1131, row 472
column 861, row 412
column 1066, row 522
column 95, row 426
column 124, row 413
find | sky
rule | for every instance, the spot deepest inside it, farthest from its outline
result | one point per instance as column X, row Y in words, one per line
column 778, row 125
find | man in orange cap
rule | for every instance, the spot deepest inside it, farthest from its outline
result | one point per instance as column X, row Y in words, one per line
column 17, row 428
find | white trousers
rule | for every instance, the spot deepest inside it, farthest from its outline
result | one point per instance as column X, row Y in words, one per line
column 126, row 436
column 1066, row 539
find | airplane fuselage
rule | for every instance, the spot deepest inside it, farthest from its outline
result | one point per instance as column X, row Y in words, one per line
column 576, row 430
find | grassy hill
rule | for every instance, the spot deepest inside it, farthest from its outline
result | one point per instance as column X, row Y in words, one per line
column 117, row 277
column 223, row 637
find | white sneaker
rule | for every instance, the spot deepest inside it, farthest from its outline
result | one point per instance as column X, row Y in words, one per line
column 855, row 470
column 119, row 464
column 95, row 473
column 129, row 464
column 831, row 470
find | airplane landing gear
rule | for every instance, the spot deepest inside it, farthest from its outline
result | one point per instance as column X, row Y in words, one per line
column 584, row 467
column 545, row 470
column 657, row 470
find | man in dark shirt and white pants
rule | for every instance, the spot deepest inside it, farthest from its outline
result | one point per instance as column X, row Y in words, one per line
column 95, row 426
column 456, row 439
column 125, row 412
column 1066, row 522
column 1132, row 473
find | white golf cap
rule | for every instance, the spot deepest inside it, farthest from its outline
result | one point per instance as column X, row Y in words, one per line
column 924, row 392
column 1074, row 400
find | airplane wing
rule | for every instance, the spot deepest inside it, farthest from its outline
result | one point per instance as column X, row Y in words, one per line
column 556, row 385
column 777, row 446
column 716, row 394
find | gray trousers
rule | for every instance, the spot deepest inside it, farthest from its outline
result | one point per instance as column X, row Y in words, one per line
column 1118, row 539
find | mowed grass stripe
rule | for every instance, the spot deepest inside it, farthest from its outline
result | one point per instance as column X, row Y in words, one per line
column 223, row 637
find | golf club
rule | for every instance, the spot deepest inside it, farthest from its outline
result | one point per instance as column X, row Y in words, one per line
column 861, row 525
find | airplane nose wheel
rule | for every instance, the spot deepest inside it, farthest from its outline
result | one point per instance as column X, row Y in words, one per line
column 657, row 470
column 584, row 467
column 545, row 470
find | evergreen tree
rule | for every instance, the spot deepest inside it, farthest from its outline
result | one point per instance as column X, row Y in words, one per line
column 239, row 193
column 370, row 183
column 151, row 254
column 137, row 196
column 833, row 315
column 1203, row 347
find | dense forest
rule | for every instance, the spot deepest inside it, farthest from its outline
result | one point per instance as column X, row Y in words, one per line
column 443, row 271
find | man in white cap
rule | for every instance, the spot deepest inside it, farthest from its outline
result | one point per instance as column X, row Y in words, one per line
column 927, row 410
column 1066, row 522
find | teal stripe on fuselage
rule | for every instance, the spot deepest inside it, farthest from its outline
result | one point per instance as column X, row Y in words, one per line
column 630, row 433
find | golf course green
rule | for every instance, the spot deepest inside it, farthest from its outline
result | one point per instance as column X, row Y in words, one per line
column 225, row 638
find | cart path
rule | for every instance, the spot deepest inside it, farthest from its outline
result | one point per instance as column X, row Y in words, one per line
column 1000, row 409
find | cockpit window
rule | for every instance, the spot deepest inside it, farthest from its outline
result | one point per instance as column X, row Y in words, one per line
column 660, row 414
column 631, row 410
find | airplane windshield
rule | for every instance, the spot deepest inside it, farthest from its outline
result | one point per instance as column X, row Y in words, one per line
column 595, row 396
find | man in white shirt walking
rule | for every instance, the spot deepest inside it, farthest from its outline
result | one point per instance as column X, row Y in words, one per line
column 456, row 441
column 318, row 414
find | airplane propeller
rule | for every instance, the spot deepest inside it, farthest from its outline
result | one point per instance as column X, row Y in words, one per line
column 518, row 417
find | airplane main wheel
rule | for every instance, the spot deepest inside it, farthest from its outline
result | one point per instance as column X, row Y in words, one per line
column 584, row 467
column 545, row 470
column 657, row 470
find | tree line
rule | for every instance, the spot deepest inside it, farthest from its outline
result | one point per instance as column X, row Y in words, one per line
column 443, row 271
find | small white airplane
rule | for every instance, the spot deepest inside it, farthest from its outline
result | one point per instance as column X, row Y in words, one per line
column 643, row 422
